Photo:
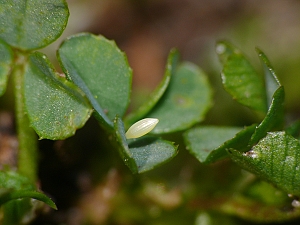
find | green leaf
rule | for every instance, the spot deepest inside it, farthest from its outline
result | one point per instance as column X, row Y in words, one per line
column 145, row 153
column 6, row 59
column 272, row 82
column 15, row 186
column 13, row 180
column 240, row 79
column 32, row 24
column 151, row 152
column 14, row 212
column 209, row 143
column 185, row 102
column 157, row 93
column 9, row 195
column 276, row 159
column 124, row 150
column 56, row 107
column 224, row 49
column 101, row 71
column 203, row 141
column 274, row 118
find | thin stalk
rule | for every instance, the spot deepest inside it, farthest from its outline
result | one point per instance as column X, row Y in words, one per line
column 27, row 155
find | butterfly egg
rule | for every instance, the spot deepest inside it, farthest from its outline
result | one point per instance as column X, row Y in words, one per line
column 140, row 128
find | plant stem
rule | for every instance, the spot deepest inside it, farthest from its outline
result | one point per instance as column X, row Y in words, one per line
column 27, row 155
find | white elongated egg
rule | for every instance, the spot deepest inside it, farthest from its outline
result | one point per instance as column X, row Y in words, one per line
column 140, row 128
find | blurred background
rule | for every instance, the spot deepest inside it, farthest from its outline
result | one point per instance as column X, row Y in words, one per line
column 83, row 174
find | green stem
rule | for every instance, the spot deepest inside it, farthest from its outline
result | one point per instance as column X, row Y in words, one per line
column 27, row 155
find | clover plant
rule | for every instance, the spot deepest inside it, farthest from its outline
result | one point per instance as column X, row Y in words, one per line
column 96, row 81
